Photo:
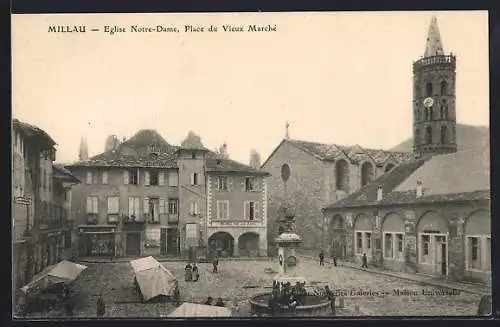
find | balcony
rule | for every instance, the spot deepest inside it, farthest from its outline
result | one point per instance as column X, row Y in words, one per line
column 151, row 220
column 446, row 60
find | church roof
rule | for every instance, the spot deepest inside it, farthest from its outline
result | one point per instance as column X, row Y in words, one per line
column 434, row 44
column 354, row 154
column 460, row 176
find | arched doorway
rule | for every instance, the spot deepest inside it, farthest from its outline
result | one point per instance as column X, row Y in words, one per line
column 337, row 232
column 366, row 173
column 393, row 234
column 432, row 232
column 221, row 244
column 477, row 234
column 248, row 244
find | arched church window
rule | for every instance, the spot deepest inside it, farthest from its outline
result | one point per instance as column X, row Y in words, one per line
column 428, row 88
column 366, row 173
column 418, row 137
column 431, row 116
column 342, row 175
column 444, row 88
column 285, row 172
column 428, row 135
column 444, row 135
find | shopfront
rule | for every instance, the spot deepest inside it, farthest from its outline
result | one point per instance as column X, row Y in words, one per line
column 97, row 240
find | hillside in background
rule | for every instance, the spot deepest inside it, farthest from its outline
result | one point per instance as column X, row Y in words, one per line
column 468, row 136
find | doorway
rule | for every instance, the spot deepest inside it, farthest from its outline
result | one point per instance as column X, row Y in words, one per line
column 172, row 244
column 163, row 241
column 133, row 244
column 441, row 255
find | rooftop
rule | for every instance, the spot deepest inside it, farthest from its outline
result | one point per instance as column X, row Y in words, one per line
column 29, row 130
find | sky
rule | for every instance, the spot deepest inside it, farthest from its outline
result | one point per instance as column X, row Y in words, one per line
column 343, row 78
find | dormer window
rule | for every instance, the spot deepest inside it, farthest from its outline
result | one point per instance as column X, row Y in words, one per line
column 249, row 184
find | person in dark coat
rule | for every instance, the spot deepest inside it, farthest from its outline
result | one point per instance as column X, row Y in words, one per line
column 196, row 274
column 215, row 263
column 209, row 301
column 335, row 260
column 101, row 307
column 331, row 297
column 220, row 303
column 365, row 261
column 321, row 258
column 188, row 275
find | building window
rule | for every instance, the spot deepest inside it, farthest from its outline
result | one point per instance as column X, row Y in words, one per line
column 399, row 240
column 342, row 175
column 368, row 236
column 249, row 184
column 113, row 205
column 134, row 206
column 163, row 206
column 250, row 210
column 285, row 172
column 366, row 173
column 430, row 113
column 388, row 245
column 134, row 176
column 193, row 208
column 428, row 89
column 104, row 177
column 359, row 242
column 425, row 248
column 154, row 178
column 444, row 88
column 393, row 245
column 222, row 183
column 92, row 204
column 222, row 209
column 194, row 178
column 89, row 177
column 474, row 244
column 173, row 178
column 444, row 135
column 193, row 155
column 173, row 205
column 67, row 239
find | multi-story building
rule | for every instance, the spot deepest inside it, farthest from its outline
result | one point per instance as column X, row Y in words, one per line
column 431, row 214
column 40, row 202
column 144, row 196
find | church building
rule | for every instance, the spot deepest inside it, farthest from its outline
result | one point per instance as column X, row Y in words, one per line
column 428, row 215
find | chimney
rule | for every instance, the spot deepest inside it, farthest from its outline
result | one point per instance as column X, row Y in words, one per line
column 254, row 159
column 380, row 192
column 420, row 190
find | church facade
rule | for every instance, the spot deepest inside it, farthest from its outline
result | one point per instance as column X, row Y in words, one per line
column 428, row 215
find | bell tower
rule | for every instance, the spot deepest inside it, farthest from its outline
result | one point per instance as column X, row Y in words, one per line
column 434, row 115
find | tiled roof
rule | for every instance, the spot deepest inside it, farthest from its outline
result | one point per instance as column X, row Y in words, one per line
column 217, row 164
column 354, row 153
column 29, row 130
column 136, row 152
column 456, row 176
column 59, row 171
column 368, row 193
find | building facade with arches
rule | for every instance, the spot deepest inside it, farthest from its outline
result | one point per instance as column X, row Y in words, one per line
column 430, row 216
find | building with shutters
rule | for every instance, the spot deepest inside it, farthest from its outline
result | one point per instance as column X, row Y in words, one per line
column 41, row 213
column 144, row 196
column 431, row 214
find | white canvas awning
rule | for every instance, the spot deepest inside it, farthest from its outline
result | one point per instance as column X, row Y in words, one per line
column 62, row 272
column 187, row 310
column 153, row 278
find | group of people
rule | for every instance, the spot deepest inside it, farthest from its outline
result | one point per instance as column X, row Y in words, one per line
column 219, row 302
column 286, row 295
column 364, row 260
column 191, row 273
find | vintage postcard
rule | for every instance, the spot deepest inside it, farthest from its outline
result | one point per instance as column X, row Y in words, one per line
column 319, row 164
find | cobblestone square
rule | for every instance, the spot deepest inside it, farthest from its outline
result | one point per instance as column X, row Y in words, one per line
column 237, row 281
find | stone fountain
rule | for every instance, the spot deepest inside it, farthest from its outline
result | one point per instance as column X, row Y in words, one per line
column 288, row 242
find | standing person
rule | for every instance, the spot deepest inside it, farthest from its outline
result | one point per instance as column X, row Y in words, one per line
column 196, row 274
column 321, row 258
column 215, row 263
column 365, row 261
column 331, row 297
column 188, row 276
column 335, row 260
column 220, row 303
column 101, row 307
column 208, row 301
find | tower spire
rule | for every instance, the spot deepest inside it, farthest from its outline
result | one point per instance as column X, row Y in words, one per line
column 83, row 153
column 434, row 45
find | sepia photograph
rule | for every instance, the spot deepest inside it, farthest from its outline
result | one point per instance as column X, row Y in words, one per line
column 250, row 165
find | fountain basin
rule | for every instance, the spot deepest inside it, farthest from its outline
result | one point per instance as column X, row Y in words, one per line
column 313, row 306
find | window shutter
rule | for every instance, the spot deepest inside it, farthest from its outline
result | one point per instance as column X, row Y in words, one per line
column 192, row 179
column 218, row 209
column 146, row 178
column 130, row 206
column 137, row 205
column 105, row 177
column 161, row 178
column 89, row 204
column 196, row 208
column 146, row 205
column 125, row 177
column 229, row 184
column 191, row 208
column 138, row 177
column 95, row 204
column 162, row 206
column 89, row 177
column 254, row 210
column 247, row 210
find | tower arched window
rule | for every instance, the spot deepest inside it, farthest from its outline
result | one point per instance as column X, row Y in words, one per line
column 431, row 116
column 444, row 110
column 444, row 88
column 428, row 89
column 417, row 91
column 366, row 173
column 444, row 135
column 418, row 137
column 428, row 135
